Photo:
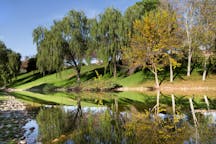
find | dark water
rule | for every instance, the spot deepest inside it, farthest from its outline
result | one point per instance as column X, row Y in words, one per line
column 124, row 118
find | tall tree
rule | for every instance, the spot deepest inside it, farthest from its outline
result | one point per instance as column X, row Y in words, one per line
column 39, row 38
column 189, row 12
column 173, row 36
column 109, row 35
column 93, row 39
column 75, row 33
column 132, row 13
column 66, row 41
column 207, row 31
column 49, row 55
column 150, row 41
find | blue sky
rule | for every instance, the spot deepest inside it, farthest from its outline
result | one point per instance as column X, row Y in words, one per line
column 18, row 18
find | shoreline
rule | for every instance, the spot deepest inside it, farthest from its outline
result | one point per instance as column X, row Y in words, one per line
column 119, row 89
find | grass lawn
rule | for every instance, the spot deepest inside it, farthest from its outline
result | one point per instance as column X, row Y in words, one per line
column 62, row 79
column 58, row 98
column 90, row 79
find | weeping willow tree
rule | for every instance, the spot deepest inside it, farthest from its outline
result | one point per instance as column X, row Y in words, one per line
column 50, row 53
column 38, row 39
column 107, row 36
column 65, row 42
column 74, row 32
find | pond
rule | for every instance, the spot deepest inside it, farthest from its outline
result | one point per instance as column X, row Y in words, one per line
column 111, row 118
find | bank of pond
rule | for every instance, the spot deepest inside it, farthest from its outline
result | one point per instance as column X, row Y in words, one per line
column 123, row 118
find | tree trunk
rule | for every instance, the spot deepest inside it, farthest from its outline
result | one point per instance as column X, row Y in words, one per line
column 189, row 62
column 157, row 85
column 79, row 111
column 78, row 74
column 193, row 112
column 189, row 41
column 77, row 68
column 114, row 70
column 173, row 104
column 205, row 70
column 171, row 72
column 158, row 101
column 206, row 101
column 114, row 66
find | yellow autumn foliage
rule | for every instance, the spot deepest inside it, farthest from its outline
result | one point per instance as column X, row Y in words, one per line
column 154, row 36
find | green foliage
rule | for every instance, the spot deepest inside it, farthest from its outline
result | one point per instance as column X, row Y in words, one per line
column 107, row 36
column 141, row 129
column 49, row 57
column 153, row 40
column 65, row 42
column 136, row 12
column 9, row 64
column 52, row 122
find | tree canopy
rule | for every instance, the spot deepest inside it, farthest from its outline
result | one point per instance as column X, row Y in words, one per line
column 152, row 41
column 9, row 64
column 65, row 42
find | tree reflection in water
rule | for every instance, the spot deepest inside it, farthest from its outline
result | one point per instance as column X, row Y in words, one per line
column 112, row 126
column 54, row 121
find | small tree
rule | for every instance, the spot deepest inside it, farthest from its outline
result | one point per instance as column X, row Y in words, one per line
column 150, row 41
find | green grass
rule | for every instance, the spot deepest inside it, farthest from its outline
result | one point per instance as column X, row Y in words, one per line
column 89, row 80
column 132, row 80
column 62, row 79
column 50, row 99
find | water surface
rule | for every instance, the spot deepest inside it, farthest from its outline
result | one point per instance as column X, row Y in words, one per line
column 124, row 118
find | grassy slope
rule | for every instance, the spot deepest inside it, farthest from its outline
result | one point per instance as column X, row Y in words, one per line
column 49, row 99
column 89, row 79
column 65, row 78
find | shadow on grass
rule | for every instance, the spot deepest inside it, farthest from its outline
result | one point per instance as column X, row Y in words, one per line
column 27, row 79
column 85, row 76
column 33, row 99
column 92, row 74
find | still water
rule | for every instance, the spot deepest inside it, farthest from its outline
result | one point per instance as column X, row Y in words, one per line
column 124, row 118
